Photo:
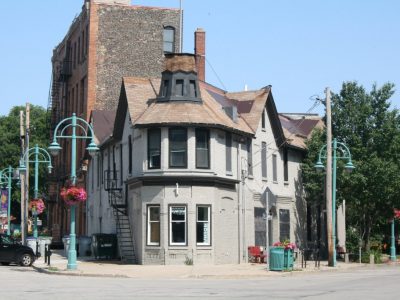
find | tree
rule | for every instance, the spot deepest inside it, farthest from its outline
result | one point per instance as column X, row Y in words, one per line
column 371, row 129
column 10, row 150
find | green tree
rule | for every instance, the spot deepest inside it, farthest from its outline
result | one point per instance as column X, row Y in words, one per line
column 371, row 129
column 10, row 150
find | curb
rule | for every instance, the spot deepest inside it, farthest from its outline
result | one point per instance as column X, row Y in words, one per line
column 75, row 273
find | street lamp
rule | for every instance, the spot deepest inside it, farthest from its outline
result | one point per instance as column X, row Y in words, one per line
column 40, row 155
column 6, row 175
column 344, row 153
column 74, row 123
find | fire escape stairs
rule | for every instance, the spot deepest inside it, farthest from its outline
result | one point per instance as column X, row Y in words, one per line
column 124, row 232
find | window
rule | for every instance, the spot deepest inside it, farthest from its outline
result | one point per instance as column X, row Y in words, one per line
column 99, row 169
column 228, row 147
column 177, row 148
column 202, row 149
column 153, row 225
column 169, row 39
column 284, row 224
column 192, row 89
column 74, row 55
column 263, row 120
column 130, row 154
column 121, row 163
column 264, row 159
column 179, row 87
column 154, row 148
column 165, row 88
column 87, row 39
column 285, row 165
column 177, row 226
column 274, row 168
column 203, row 225
column 249, row 157
column 79, row 50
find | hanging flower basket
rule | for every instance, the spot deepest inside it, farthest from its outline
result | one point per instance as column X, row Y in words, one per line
column 397, row 213
column 36, row 206
column 73, row 195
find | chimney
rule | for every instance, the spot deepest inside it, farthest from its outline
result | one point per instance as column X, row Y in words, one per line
column 200, row 52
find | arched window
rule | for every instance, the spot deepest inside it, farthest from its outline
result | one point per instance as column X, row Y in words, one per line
column 169, row 39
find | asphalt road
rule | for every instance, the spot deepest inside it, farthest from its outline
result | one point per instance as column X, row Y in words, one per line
column 381, row 282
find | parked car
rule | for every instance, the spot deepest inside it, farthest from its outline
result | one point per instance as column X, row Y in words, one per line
column 11, row 251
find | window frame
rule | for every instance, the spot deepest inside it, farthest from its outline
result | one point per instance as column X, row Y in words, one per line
column 264, row 160
column 209, row 221
column 274, row 167
column 165, row 42
column 285, row 166
column 263, row 120
column 170, row 130
column 148, row 225
column 207, row 132
column 148, row 148
column 170, row 227
column 228, row 152
column 249, row 157
column 286, row 223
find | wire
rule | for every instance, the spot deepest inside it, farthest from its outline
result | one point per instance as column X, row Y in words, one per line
column 215, row 73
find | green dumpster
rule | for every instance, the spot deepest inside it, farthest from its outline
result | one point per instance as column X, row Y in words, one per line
column 276, row 258
column 104, row 245
column 288, row 259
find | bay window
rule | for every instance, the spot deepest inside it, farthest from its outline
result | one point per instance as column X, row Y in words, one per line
column 154, row 148
column 203, row 225
column 202, row 149
column 153, row 225
column 177, row 148
column 177, row 225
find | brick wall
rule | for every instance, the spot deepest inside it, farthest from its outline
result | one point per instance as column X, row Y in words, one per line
column 129, row 43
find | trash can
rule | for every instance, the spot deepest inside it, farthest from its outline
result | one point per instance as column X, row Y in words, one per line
column 104, row 245
column 66, row 240
column 276, row 258
column 43, row 241
column 288, row 259
column 31, row 243
column 85, row 243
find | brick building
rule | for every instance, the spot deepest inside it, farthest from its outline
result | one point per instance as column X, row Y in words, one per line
column 105, row 42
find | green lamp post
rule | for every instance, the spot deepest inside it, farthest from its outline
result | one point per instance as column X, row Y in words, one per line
column 344, row 153
column 6, row 176
column 73, row 123
column 39, row 155
column 392, row 242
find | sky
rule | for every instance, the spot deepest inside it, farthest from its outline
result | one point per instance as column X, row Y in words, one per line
column 298, row 47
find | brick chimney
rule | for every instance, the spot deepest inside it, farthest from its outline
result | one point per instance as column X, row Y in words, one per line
column 200, row 52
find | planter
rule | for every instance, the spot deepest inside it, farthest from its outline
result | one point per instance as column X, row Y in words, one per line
column 276, row 258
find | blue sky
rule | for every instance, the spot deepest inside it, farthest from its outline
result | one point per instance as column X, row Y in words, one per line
column 299, row 47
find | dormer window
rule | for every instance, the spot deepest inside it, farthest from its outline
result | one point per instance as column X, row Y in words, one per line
column 169, row 39
column 179, row 87
column 179, row 80
column 165, row 88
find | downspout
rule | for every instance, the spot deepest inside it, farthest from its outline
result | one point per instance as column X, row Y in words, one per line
column 239, row 204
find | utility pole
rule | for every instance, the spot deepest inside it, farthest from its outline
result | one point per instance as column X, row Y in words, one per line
column 22, row 178
column 27, row 132
column 329, row 207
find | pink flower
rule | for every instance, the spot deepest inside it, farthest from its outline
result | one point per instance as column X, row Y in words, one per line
column 73, row 195
column 37, row 206
column 285, row 244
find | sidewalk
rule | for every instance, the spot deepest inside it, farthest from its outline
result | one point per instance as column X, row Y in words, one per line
column 88, row 266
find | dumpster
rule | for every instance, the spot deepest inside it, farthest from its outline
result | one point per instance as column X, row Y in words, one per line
column 43, row 241
column 288, row 259
column 276, row 258
column 31, row 243
column 85, row 243
column 104, row 245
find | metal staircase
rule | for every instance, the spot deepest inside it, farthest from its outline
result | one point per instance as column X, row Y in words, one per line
column 121, row 216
